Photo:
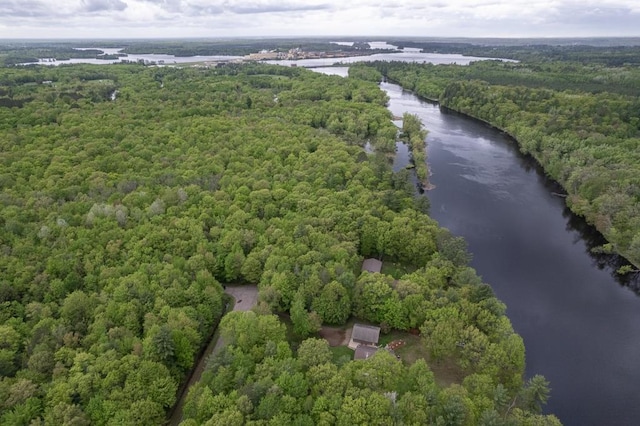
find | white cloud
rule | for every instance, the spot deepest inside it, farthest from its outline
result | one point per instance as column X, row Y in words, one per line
column 92, row 6
column 202, row 18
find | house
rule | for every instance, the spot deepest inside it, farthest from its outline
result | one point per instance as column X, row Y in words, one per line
column 366, row 335
column 372, row 265
column 364, row 352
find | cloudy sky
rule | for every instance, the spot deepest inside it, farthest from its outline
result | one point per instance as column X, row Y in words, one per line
column 231, row 18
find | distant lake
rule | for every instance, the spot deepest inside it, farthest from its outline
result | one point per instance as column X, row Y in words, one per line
column 405, row 55
column 372, row 44
column 166, row 59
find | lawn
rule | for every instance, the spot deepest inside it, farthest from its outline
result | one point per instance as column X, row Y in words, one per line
column 396, row 270
column 446, row 371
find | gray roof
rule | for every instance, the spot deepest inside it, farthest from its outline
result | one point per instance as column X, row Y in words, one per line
column 364, row 352
column 372, row 265
column 365, row 333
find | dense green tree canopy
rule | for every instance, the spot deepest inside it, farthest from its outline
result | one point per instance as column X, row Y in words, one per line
column 130, row 193
column 579, row 121
column 282, row 387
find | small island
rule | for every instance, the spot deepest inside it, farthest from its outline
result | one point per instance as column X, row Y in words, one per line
column 414, row 135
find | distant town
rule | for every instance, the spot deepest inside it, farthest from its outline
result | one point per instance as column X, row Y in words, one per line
column 298, row 53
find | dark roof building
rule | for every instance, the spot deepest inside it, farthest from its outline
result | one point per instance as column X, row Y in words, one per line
column 372, row 265
column 364, row 335
column 364, row 352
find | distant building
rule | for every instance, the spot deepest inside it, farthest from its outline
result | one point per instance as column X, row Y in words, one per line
column 367, row 335
column 266, row 55
column 372, row 265
column 364, row 352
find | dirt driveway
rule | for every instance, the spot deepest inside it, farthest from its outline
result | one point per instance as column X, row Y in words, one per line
column 246, row 296
column 336, row 336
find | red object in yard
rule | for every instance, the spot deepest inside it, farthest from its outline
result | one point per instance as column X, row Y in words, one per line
column 396, row 344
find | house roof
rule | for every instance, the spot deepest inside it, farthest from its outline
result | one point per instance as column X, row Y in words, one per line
column 372, row 265
column 364, row 352
column 365, row 333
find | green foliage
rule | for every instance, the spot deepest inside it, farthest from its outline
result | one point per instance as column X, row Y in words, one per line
column 535, row 394
column 237, row 47
column 313, row 352
column 333, row 304
column 251, row 332
column 119, row 218
column 577, row 120
column 304, row 323
column 415, row 136
column 310, row 389
column 365, row 73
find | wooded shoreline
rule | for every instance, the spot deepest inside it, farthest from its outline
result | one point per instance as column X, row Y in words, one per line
column 575, row 201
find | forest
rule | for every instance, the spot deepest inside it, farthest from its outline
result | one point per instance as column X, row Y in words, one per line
column 579, row 121
column 18, row 53
column 414, row 135
column 131, row 194
column 240, row 47
column 611, row 52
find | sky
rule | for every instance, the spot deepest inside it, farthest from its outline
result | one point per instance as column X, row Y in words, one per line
column 231, row 18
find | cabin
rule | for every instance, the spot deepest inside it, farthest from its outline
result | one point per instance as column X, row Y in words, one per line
column 364, row 352
column 372, row 265
column 367, row 335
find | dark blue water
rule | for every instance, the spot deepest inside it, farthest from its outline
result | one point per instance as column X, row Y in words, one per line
column 580, row 324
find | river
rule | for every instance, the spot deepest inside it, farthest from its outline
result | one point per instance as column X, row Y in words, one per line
column 579, row 322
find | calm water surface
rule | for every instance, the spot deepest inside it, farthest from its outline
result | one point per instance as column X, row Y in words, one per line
column 580, row 325
column 157, row 58
column 405, row 55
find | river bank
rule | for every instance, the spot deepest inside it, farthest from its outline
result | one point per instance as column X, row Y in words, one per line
column 629, row 266
column 563, row 192
column 571, row 308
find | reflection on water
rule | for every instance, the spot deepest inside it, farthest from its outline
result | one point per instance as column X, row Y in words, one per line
column 403, row 56
column 579, row 321
column 605, row 261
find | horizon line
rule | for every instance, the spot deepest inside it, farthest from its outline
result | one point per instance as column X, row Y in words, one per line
column 255, row 37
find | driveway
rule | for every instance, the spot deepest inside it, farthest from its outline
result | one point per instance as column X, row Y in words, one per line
column 245, row 297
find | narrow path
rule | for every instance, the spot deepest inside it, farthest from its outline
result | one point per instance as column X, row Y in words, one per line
column 245, row 297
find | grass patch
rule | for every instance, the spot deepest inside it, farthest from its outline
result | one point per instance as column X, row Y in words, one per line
column 393, row 335
column 413, row 350
column 446, row 371
column 396, row 270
